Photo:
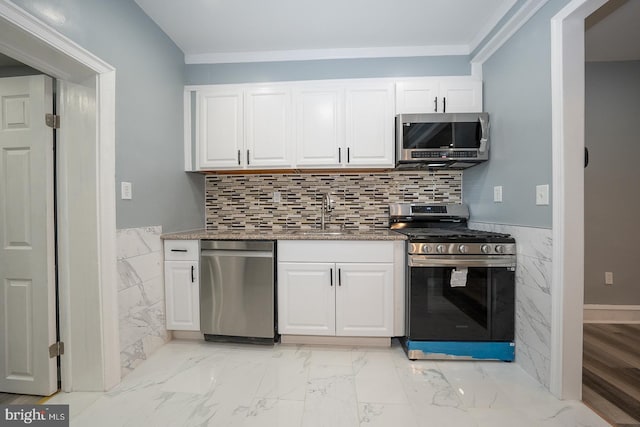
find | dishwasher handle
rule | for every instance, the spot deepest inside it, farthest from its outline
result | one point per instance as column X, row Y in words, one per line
column 236, row 253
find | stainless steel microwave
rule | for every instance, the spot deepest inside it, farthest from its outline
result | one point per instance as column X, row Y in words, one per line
column 450, row 140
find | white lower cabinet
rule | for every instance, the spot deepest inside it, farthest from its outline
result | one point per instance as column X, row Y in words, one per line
column 306, row 298
column 182, row 284
column 353, row 299
column 364, row 300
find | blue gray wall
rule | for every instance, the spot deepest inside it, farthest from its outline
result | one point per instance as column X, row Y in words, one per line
column 197, row 74
column 149, row 107
column 517, row 95
column 612, row 199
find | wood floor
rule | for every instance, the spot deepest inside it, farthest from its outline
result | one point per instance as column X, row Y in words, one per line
column 611, row 372
column 18, row 399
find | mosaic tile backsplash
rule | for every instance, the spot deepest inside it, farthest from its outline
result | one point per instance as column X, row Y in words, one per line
column 360, row 200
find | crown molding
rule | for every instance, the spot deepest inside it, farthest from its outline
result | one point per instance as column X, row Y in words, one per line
column 514, row 23
column 322, row 54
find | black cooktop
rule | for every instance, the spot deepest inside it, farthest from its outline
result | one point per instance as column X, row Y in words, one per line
column 458, row 234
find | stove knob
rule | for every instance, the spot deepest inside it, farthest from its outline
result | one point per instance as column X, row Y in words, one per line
column 427, row 249
column 500, row 249
column 463, row 249
column 440, row 249
column 485, row 249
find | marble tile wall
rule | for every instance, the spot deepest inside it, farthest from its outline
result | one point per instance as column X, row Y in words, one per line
column 360, row 200
column 140, row 295
column 533, row 297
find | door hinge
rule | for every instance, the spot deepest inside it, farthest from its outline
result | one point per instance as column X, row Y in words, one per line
column 56, row 349
column 52, row 120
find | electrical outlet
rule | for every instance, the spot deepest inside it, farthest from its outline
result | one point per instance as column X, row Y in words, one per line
column 126, row 191
column 608, row 278
column 497, row 193
column 542, row 194
column 277, row 197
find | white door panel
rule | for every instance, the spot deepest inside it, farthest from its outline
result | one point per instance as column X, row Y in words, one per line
column 306, row 298
column 319, row 126
column 221, row 129
column 268, row 127
column 370, row 126
column 27, row 306
column 364, row 300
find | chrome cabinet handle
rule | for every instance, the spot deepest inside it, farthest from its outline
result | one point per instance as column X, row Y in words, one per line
column 435, row 102
column 248, row 158
column 178, row 250
column 339, row 155
column 193, row 271
column 238, row 157
column 348, row 154
column 444, row 104
column 339, row 277
column 331, row 276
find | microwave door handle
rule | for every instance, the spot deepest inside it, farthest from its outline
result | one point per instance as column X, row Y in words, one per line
column 484, row 127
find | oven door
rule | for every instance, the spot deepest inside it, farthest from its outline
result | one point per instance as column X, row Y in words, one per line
column 461, row 299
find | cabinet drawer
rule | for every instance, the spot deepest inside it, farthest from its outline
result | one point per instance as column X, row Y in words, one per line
column 335, row 251
column 181, row 250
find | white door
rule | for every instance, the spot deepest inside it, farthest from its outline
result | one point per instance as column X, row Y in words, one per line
column 461, row 95
column 27, row 247
column 269, row 128
column 182, row 286
column 364, row 300
column 319, row 127
column 306, row 298
column 419, row 96
column 220, row 129
column 370, row 125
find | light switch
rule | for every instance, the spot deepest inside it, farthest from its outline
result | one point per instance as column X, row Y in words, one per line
column 497, row 193
column 608, row 278
column 542, row 194
column 126, row 192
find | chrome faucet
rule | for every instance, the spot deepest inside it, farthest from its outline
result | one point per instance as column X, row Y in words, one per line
column 325, row 209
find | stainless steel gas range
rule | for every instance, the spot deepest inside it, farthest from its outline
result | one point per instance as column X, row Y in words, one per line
column 460, row 285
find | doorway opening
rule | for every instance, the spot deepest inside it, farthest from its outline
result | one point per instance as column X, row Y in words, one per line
column 86, row 196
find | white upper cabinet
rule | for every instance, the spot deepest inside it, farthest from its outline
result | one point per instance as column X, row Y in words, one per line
column 268, row 127
column 244, row 128
column 316, row 124
column 220, row 124
column 439, row 95
column 370, row 125
column 319, row 126
column 347, row 125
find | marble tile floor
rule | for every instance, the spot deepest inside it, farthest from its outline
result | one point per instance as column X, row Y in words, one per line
column 194, row 383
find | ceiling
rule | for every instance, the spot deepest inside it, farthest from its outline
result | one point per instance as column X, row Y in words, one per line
column 210, row 31
column 216, row 31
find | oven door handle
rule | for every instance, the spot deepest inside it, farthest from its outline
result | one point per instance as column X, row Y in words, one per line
column 462, row 261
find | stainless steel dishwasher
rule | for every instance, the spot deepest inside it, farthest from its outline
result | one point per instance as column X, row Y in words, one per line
column 237, row 286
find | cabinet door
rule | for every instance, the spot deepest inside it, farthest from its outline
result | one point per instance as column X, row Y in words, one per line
column 268, row 128
column 461, row 95
column 306, row 298
column 319, row 126
column 182, row 293
column 370, row 125
column 220, row 126
column 364, row 300
column 417, row 97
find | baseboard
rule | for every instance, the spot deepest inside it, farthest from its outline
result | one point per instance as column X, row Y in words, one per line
column 187, row 335
column 347, row 341
column 602, row 313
